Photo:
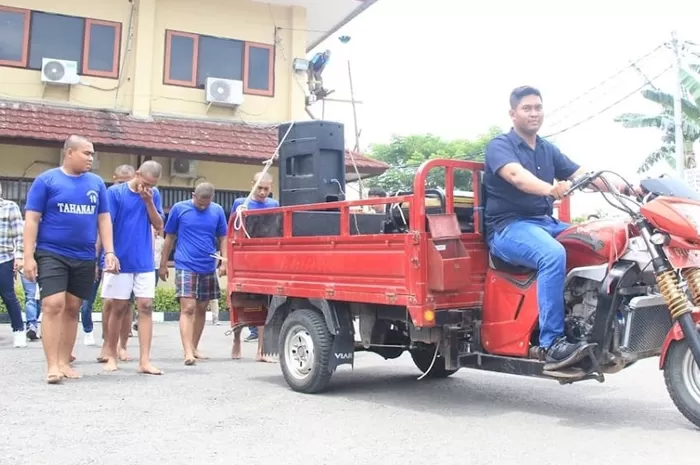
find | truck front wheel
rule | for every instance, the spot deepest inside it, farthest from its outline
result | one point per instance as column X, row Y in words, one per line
column 683, row 380
column 305, row 351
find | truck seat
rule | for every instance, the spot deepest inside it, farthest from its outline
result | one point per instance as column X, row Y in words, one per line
column 497, row 264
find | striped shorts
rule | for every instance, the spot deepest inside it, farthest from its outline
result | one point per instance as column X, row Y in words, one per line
column 200, row 286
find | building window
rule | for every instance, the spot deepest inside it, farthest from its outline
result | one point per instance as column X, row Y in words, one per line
column 26, row 37
column 14, row 35
column 259, row 69
column 101, row 48
column 191, row 58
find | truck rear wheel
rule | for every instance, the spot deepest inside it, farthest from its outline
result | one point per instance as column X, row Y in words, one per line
column 305, row 351
column 423, row 357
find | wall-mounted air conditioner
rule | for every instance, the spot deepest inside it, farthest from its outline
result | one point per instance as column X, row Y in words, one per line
column 224, row 92
column 63, row 72
column 183, row 168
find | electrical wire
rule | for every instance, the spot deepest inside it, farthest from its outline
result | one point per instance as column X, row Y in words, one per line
column 614, row 104
column 608, row 79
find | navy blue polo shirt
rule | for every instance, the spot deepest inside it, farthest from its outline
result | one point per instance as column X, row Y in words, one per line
column 506, row 203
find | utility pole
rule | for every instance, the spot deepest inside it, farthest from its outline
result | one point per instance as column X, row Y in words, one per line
column 677, row 107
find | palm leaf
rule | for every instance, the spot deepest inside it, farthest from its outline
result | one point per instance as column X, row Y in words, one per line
column 689, row 108
column 691, row 129
column 638, row 120
column 690, row 82
column 664, row 153
column 662, row 98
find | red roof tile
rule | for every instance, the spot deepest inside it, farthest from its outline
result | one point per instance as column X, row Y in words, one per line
column 217, row 140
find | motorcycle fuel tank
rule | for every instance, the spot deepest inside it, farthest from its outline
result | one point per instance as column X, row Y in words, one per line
column 595, row 242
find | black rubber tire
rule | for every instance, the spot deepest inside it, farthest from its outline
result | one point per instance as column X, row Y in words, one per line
column 422, row 359
column 674, row 375
column 315, row 325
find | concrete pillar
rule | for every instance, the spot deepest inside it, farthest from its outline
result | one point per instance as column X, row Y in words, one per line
column 143, row 61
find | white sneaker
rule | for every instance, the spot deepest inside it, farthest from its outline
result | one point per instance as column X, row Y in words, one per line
column 89, row 339
column 20, row 339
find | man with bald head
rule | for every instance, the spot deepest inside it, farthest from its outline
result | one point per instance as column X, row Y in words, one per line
column 260, row 199
column 136, row 209
column 122, row 173
column 65, row 209
column 199, row 227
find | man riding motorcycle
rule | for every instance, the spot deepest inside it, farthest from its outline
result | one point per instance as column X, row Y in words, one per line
column 519, row 173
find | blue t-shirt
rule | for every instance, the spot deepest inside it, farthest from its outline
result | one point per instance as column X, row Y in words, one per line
column 133, row 233
column 69, row 206
column 198, row 233
column 506, row 203
column 318, row 62
column 254, row 204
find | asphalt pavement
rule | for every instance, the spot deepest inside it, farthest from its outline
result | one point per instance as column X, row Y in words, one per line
column 227, row 412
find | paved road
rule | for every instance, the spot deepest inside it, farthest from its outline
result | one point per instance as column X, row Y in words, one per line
column 223, row 411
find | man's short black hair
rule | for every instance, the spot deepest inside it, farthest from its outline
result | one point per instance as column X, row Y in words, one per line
column 376, row 192
column 521, row 92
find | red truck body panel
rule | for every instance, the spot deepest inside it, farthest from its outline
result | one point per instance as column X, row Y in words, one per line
column 423, row 271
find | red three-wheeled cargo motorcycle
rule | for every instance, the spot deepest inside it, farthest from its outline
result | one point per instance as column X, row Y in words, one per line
column 419, row 278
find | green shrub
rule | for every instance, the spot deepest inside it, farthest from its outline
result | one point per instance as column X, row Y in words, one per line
column 165, row 300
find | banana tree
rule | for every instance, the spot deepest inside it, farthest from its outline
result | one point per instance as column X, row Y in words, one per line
column 690, row 104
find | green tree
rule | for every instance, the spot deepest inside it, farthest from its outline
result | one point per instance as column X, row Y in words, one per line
column 690, row 103
column 406, row 154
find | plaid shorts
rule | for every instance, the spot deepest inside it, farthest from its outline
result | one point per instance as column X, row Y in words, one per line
column 199, row 286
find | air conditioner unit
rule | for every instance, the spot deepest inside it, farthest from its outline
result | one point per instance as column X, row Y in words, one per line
column 95, row 161
column 183, row 168
column 55, row 71
column 225, row 92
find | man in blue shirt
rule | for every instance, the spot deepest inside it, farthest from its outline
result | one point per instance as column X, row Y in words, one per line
column 122, row 173
column 136, row 208
column 316, row 66
column 197, row 228
column 520, row 170
column 65, row 208
column 260, row 199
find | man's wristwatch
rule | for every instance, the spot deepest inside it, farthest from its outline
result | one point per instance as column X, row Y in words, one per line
column 109, row 253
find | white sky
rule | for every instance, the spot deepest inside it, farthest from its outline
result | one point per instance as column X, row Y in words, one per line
column 447, row 67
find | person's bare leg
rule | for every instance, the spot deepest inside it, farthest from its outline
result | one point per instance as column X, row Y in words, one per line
column 200, row 319
column 118, row 312
column 51, row 327
column 145, row 308
column 259, row 357
column 124, row 335
column 68, row 335
column 187, row 311
column 236, row 349
column 214, row 308
column 106, row 314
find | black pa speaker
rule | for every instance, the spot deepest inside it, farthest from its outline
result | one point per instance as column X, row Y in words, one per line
column 311, row 162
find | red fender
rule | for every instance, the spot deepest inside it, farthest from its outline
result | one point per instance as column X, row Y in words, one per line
column 675, row 334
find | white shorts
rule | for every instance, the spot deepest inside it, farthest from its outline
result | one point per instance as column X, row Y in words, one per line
column 120, row 286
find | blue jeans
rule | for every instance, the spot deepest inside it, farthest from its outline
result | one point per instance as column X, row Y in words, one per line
column 86, row 307
column 7, row 293
column 32, row 307
column 531, row 243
